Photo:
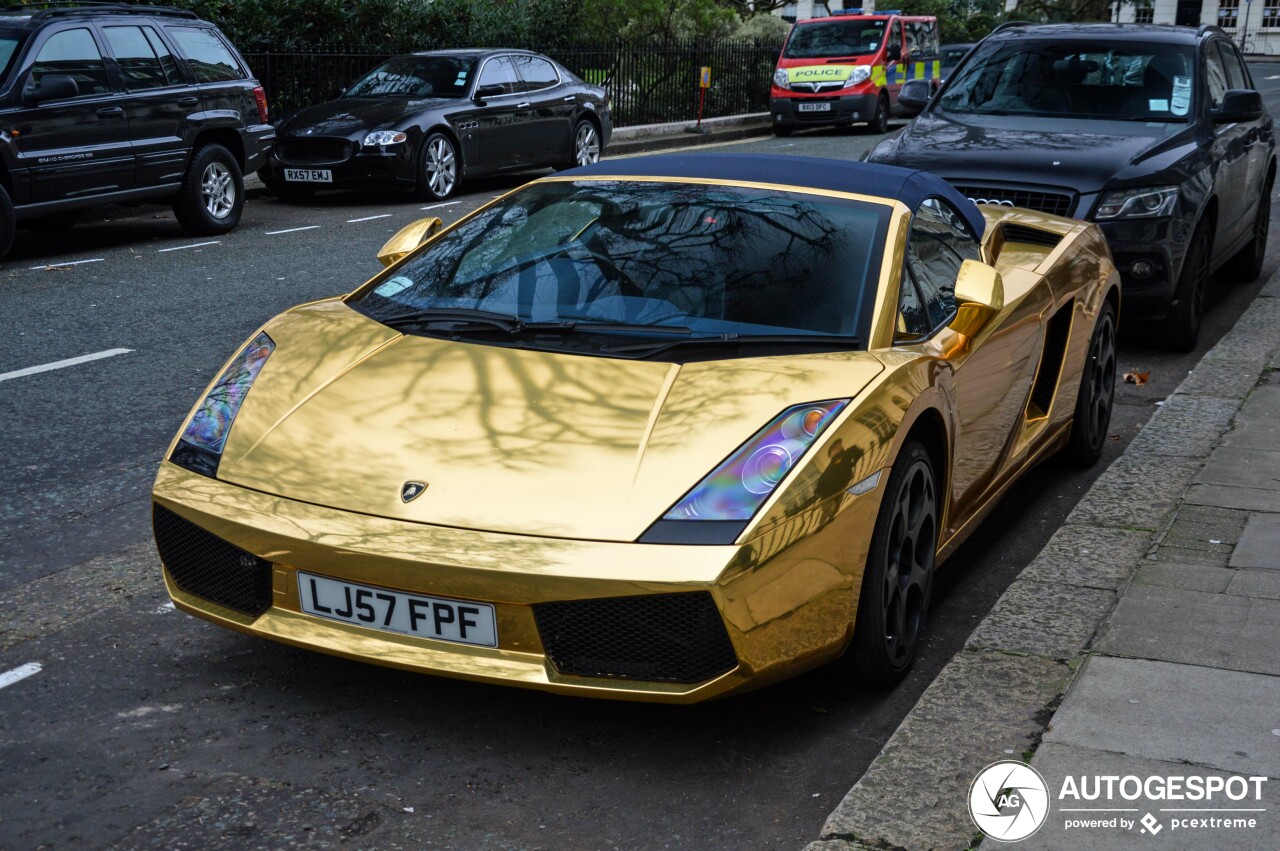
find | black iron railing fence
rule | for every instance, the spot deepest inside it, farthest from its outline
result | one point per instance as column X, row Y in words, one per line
column 647, row 82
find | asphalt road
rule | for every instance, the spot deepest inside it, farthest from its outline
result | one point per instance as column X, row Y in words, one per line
column 147, row 728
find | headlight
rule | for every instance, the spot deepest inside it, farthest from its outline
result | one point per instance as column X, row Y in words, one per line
column 859, row 75
column 735, row 489
column 200, row 447
column 780, row 79
column 1141, row 203
column 379, row 138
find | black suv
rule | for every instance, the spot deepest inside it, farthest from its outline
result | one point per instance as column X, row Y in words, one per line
column 1154, row 132
column 105, row 103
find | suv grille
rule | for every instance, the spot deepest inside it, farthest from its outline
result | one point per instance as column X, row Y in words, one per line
column 203, row 564
column 313, row 151
column 1056, row 203
column 677, row 638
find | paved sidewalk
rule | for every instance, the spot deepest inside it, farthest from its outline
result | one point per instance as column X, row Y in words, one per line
column 1143, row 641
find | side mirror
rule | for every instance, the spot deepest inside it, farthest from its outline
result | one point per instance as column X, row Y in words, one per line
column 1238, row 105
column 914, row 95
column 51, row 87
column 979, row 296
column 408, row 238
column 483, row 93
column 893, row 52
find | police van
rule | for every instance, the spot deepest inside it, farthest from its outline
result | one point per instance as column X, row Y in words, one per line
column 846, row 69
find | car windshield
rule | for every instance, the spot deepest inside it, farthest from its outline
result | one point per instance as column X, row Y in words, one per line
column 10, row 41
column 1136, row 81
column 416, row 76
column 701, row 261
column 835, row 38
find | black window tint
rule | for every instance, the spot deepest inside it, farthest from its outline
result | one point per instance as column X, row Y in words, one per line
column 536, row 72
column 939, row 242
column 1215, row 77
column 498, row 71
column 1236, row 74
column 135, row 58
column 169, row 65
column 75, row 54
column 207, row 55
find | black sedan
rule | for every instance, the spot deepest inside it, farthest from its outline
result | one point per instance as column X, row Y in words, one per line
column 424, row 122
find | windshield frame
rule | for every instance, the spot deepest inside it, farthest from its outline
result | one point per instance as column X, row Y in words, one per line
column 866, row 309
column 982, row 53
column 470, row 61
column 841, row 23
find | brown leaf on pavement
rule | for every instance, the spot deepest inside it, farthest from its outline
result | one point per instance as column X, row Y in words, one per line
column 1138, row 378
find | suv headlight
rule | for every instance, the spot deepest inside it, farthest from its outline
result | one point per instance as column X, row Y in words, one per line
column 200, row 447
column 1139, row 203
column 780, row 79
column 860, row 75
column 380, row 138
column 744, row 480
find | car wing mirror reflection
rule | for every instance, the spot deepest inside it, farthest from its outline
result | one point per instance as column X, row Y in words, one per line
column 409, row 238
column 979, row 297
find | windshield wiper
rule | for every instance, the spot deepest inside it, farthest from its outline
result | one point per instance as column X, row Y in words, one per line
column 513, row 324
column 646, row 349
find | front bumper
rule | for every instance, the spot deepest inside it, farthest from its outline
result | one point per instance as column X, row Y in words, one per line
column 1159, row 244
column 393, row 166
column 786, row 600
column 843, row 111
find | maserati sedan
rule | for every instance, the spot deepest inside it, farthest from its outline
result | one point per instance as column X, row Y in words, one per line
column 425, row 122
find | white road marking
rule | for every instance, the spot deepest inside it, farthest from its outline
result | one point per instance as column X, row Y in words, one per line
column 192, row 245
column 369, row 218
column 19, row 674
column 165, row 609
column 1273, row 77
column 438, row 206
column 291, row 230
column 68, row 263
column 62, row 364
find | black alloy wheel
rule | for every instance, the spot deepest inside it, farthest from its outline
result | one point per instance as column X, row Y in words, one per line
column 1092, row 418
column 8, row 222
column 896, row 585
column 879, row 123
column 1182, row 325
column 1246, row 265
column 438, row 168
column 211, row 199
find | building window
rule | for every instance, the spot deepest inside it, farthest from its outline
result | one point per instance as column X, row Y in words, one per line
column 1144, row 13
column 1228, row 14
column 1271, row 15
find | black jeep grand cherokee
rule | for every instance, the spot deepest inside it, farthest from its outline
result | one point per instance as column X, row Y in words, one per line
column 1154, row 132
column 107, row 103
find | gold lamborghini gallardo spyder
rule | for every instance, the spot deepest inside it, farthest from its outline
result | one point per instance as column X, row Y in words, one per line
column 663, row 429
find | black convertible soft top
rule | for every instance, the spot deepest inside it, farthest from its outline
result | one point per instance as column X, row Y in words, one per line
column 909, row 186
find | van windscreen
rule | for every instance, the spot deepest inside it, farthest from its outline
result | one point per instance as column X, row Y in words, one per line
column 835, row 38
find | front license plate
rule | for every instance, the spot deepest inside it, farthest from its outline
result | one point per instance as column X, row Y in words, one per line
column 393, row 611
column 308, row 175
column 815, row 107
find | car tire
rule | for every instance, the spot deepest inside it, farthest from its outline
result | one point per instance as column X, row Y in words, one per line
column 55, row 222
column 284, row 190
column 892, row 606
column 1182, row 325
column 782, row 131
column 879, row 123
column 211, row 199
column 8, row 222
column 1094, row 402
column 584, row 145
column 1246, row 264
column 438, row 167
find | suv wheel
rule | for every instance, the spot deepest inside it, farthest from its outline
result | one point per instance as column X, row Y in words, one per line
column 1182, row 325
column 211, row 199
column 7, row 222
column 1246, row 265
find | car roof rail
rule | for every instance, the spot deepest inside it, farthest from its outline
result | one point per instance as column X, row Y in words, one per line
column 41, row 11
column 1008, row 25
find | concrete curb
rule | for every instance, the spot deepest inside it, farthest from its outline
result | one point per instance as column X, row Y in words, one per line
column 996, row 698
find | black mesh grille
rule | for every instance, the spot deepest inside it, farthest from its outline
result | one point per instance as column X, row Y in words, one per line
column 676, row 638
column 1056, row 203
column 203, row 564
column 313, row 151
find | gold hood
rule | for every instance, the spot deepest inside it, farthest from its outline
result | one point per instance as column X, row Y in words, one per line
column 347, row 411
